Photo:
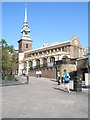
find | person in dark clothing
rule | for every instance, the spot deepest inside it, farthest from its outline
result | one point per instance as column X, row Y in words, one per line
column 62, row 79
column 58, row 77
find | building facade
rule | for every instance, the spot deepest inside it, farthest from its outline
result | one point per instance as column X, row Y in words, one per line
column 49, row 58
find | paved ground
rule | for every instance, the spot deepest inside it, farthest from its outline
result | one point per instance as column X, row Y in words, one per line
column 43, row 98
column 0, row 96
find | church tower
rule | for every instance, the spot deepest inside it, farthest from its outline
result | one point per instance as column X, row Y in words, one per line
column 25, row 43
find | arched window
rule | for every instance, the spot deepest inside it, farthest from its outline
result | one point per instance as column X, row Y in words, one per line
column 44, row 62
column 30, row 64
column 37, row 63
column 52, row 59
column 65, row 57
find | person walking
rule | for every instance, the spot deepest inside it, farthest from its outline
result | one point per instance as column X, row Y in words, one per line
column 66, row 80
column 62, row 78
column 24, row 72
column 58, row 78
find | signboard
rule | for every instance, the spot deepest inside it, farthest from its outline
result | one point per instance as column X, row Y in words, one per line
column 87, row 79
column 89, row 59
column 50, row 64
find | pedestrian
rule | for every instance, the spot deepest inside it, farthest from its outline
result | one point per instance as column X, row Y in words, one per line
column 37, row 74
column 66, row 80
column 62, row 78
column 58, row 77
column 24, row 72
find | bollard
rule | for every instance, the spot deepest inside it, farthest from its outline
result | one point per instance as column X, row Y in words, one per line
column 27, row 80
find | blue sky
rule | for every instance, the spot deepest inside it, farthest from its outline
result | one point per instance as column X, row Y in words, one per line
column 49, row 22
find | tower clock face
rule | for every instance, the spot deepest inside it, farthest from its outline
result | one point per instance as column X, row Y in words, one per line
column 76, row 42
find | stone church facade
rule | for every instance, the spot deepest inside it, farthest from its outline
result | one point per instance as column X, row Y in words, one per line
column 49, row 58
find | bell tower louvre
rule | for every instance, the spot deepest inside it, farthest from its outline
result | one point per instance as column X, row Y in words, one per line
column 25, row 43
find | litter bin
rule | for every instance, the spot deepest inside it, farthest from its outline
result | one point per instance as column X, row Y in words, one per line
column 77, row 84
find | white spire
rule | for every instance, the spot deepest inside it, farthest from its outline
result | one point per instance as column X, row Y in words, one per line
column 25, row 14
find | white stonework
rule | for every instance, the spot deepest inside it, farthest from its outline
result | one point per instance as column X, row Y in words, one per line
column 21, row 67
column 21, row 56
column 27, row 67
column 21, row 64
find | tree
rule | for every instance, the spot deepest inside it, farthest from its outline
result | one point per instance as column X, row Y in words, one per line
column 9, row 57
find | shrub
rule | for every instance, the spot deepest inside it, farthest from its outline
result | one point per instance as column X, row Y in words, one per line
column 9, row 77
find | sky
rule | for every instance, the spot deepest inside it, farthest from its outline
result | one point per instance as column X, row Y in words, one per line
column 49, row 22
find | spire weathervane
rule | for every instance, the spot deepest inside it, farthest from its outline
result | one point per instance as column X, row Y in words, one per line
column 75, row 34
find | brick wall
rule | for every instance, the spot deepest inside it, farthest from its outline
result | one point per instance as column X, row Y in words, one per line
column 83, row 63
column 71, row 51
column 68, row 67
column 32, row 73
column 23, row 45
column 49, row 73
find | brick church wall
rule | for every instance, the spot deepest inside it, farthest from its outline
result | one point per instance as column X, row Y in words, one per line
column 68, row 67
column 51, row 72
column 47, row 72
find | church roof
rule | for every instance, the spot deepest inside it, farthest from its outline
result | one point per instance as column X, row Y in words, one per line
column 48, row 47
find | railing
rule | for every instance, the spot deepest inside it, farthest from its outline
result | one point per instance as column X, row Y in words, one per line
column 40, row 66
column 48, row 65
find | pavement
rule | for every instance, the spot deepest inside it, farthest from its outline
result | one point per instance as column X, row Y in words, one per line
column 42, row 98
column 0, row 96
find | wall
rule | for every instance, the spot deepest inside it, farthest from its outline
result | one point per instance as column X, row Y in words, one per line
column 49, row 73
column 68, row 67
column 23, row 45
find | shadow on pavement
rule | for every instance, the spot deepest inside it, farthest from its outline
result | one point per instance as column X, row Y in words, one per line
column 53, row 80
column 65, row 90
column 59, row 89
column 3, row 85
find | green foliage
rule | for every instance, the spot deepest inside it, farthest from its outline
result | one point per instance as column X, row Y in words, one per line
column 10, row 77
column 9, row 58
column 3, row 76
column 0, row 58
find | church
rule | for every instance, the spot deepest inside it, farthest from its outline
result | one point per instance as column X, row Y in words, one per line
column 50, row 59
